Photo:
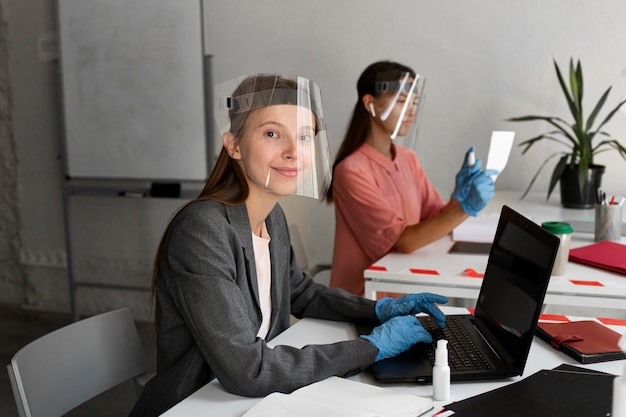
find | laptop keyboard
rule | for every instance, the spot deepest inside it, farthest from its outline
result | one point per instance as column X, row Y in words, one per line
column 463, row 354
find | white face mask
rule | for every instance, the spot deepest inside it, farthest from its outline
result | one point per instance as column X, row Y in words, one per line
column 295, row 134
column 401, row 97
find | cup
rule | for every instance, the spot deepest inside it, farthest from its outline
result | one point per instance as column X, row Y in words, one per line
column 608, row 224
column 564, row 232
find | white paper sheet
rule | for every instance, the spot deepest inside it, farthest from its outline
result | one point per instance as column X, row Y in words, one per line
column 499, row 150
column 283, row 405
column 481, row 229
column 339, row 397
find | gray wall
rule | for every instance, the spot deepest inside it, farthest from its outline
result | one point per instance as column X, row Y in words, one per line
column 484, row 61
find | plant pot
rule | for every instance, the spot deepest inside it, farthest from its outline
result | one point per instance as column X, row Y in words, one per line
column 571, row 196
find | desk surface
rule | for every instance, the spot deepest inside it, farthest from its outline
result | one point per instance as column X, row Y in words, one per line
column 433, row 269
column 213, row 400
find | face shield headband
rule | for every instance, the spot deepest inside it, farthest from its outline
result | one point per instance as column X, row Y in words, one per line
column 402, row 95
column 294, row 102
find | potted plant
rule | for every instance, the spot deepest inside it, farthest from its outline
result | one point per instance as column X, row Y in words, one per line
column 575, row 169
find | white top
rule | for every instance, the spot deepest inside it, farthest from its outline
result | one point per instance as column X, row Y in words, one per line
column 264, row 278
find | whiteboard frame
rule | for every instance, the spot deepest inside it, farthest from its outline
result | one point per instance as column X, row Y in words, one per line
column 132, row 84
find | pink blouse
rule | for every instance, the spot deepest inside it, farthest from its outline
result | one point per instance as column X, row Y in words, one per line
column 375, row 199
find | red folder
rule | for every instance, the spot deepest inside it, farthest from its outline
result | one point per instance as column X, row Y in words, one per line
column 605, row 255
column 587, row 341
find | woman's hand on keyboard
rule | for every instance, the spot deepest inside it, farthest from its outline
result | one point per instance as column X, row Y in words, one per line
column 411, row 304
column 397, row 335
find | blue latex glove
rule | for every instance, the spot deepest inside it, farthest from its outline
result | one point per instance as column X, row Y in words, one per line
column 397, row 335
column 410, row 305
column 481, row 191
column 464, row 177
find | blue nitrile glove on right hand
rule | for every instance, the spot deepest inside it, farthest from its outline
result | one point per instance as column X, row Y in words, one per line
column 397, row 335
column 411, row 304
column 481, row 192
column 463, row 179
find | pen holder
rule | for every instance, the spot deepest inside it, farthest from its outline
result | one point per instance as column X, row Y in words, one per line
column 564, row 232
column 608, row 223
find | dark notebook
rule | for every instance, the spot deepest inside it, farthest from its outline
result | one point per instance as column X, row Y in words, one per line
column 470, row 247
column 566, row 391
column 500, row 332
column 587, row 341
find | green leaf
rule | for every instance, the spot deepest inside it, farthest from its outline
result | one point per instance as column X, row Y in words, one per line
column 534, row 178
column 557, row 173
column 596, row 110
column 568, row 97
column 610, row 115
column 614, row 144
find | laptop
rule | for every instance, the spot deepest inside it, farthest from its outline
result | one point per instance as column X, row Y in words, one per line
column 506, row 314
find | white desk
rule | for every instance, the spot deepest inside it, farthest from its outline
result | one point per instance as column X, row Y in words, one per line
column 582, row 286
column 213, row 400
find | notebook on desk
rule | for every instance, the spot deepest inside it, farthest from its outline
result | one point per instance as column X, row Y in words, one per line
column 587, row 341
column 506, row 314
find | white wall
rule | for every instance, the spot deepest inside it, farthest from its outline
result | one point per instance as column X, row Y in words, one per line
column 485, row 61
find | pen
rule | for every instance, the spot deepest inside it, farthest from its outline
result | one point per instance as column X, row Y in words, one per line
column 612, row 201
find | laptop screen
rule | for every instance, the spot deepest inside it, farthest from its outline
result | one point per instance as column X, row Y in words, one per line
column 515, row 282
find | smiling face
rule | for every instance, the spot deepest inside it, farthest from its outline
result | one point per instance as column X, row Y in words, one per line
column 275, row 149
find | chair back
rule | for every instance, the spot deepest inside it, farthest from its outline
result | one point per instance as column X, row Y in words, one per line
column 63, row 369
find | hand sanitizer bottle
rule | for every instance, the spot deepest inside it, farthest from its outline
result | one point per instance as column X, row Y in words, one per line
column 441, row 372
column 619, row 388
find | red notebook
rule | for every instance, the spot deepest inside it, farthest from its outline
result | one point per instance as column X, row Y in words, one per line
column 586, row 341
column 605, row 255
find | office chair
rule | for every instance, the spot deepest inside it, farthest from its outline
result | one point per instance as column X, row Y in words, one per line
column 63, row 369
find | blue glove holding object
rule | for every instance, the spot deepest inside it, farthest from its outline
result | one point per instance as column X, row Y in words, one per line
column 410, row 305
column 481, row 192
column 397, row 335
column 464, row 177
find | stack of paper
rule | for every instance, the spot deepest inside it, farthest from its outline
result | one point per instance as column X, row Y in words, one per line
column 477, row 229
column 339, row 397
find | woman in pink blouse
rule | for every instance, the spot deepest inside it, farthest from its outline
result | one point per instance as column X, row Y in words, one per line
column 383, row 199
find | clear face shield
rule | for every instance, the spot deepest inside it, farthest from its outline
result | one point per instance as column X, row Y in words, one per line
column 279, row 124
column 399, row 97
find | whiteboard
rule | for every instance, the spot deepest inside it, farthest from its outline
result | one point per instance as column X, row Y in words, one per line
column 132, row 89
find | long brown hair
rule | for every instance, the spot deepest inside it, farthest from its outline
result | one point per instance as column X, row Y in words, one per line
column 227, row 182
column 359, row 126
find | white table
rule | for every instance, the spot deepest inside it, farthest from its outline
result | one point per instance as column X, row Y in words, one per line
column 212, row 399
column 433, row 269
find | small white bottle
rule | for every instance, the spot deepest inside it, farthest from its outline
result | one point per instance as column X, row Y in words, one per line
column 441, row 372
column 619, row 388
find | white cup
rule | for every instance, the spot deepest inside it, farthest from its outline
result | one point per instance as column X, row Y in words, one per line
column 564, row 232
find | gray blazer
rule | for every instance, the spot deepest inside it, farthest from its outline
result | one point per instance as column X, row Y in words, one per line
column 209, row 312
